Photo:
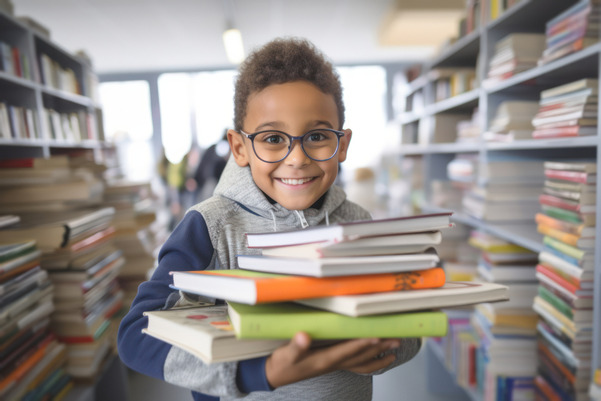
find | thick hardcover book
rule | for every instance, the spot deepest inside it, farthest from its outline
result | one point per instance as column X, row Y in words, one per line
column 342, row 231
column 206, row 333
column 251, row 287
column 283, row 320
column 453, row 293
column 342, row 266
column 364, row 246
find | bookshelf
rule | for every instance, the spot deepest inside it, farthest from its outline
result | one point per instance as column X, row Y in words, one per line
column 47, row 95
column 476, row 50
column 49, row 106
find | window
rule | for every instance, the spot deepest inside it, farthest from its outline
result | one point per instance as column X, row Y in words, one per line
column 128, row 123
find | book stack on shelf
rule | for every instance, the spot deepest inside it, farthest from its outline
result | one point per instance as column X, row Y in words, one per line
column 495, row 8
column 567, row 110
column 469, row 130
column 572, row 30
column 512, row 121
column 32, row 361
column 507, row 191
column 515, row 53
column 18, row 122
column 58, row 201
column 348, row 280
column 565, row 271
column 450, row 82
column 440, row 128
column 506, row 331
column 137, row 232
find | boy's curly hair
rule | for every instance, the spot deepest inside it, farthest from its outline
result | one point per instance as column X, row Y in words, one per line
column 285, row 60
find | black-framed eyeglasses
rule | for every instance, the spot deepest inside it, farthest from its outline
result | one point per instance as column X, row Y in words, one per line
column 272, row 146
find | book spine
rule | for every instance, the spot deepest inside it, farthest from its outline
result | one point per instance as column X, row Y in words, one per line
column 545, row 270
column 561, row 265
column 567, row 238
column 569, row 250
column 334, row 326
column 555, row 301
column 557, row 224
column 311, row 287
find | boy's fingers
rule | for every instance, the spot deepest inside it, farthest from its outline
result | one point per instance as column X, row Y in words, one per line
column 299, row 346
column 371, row 353
column 373, row 364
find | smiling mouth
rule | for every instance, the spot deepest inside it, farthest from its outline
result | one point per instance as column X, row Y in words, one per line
column 296, row 181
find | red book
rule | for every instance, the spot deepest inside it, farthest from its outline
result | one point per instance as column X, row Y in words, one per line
column 560, row 132
column 575, row 206
column 17, row 62
column 547, row 271
column 574, row 176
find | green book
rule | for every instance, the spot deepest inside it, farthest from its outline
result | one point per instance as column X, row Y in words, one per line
column 569, row 250
column 554, row 300
column 283, row 320
column 562, row 214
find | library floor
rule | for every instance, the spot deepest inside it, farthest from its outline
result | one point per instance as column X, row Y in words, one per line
column 405, row 383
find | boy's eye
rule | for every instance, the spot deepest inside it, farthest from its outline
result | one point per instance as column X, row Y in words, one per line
column 317, row 136
column 272, row 138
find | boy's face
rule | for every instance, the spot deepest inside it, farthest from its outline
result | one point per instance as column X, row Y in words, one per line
column 295, row 108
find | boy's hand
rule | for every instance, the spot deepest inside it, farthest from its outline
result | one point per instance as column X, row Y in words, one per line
column 296, row 361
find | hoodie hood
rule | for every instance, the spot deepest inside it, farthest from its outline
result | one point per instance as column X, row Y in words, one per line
column 236, row 183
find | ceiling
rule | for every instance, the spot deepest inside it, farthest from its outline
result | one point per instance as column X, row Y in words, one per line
column 153, row 35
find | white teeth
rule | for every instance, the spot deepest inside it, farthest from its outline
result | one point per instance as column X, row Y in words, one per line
column 294, row 181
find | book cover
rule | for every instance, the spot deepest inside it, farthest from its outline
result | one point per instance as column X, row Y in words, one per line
column 364, row 246
column 566, row 238
column 206, row 333
column 581, row 299
column 340, row 231
column 453, row 293
column 574, row 86
column 559, row 132
column 250, row 287
column 342, row 266
column 575, row 206
column 283, row 320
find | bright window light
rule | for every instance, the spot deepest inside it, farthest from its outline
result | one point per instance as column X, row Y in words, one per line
column 175, row 97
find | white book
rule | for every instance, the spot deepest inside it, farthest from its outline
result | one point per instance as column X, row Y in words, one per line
column 344, row 231
column 342, row 266
column 364, row 246
column 453, row 293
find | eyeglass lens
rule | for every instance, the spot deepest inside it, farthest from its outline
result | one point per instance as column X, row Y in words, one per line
column 274, row 146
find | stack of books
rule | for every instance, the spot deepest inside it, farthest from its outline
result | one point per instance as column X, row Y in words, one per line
column 567, row 110
column 507, row 330
column 571, row 31
column 565, row 273
column 32, row 361
column 507, row 191
column 374, row 278
column 515, row 53
column 138, row 231
column 512, row 121
column 58, row 202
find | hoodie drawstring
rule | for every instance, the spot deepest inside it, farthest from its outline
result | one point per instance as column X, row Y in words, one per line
column 275, row 226
column 327, row 218
column 302, row 219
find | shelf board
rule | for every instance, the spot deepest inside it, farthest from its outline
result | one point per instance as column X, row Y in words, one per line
column 461, row 101
column 409, row 117
column 453, row 147
column 461, row 53
column 67, row 96
column 575, row 142
column 13, row 79
column 529, row 15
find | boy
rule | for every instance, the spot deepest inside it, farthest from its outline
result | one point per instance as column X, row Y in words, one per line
column 286, row 147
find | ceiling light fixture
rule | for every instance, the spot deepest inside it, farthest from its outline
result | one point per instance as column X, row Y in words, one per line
column 234, row 48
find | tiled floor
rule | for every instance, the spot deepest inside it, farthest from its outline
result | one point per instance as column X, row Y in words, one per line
column 407, row 382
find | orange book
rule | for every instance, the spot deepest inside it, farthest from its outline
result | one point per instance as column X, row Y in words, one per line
column 565, row 226
column 556, row 233
column 252, row 287
column 17, row 374
column 545, row 388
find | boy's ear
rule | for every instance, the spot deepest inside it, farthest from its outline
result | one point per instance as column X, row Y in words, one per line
column 344, row 144
column 238, row 148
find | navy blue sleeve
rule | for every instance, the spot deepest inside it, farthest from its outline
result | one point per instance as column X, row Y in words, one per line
column 187, row 248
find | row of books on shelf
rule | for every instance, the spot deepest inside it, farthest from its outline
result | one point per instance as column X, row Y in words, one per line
column 23, row 123
column 13, row 61
column 63, row 259
column 572, row 30
column 56, row 76
column 378, row 278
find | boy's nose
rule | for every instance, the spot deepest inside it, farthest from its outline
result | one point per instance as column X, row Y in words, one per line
column 297, row 157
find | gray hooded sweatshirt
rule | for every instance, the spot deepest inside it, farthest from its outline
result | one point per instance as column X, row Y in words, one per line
column 210, row 236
